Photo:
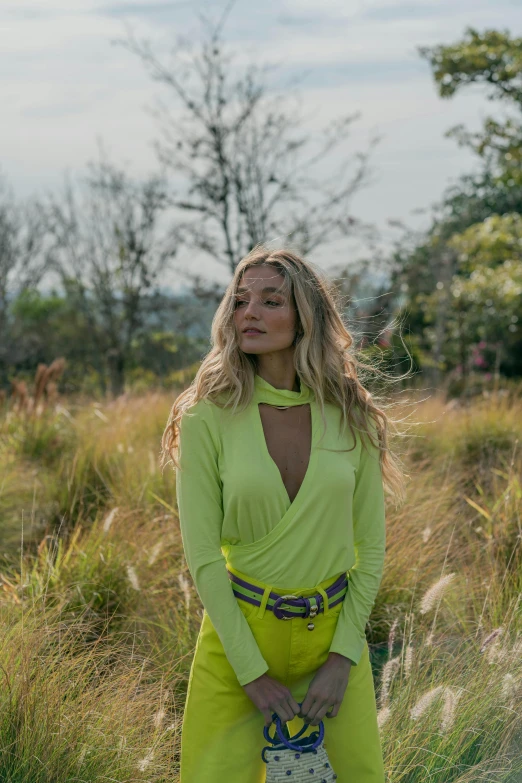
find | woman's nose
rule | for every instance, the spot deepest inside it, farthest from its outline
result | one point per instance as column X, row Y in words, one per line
column 252, row 308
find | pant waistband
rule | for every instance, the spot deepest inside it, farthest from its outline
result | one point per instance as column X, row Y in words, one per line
column 287, row 606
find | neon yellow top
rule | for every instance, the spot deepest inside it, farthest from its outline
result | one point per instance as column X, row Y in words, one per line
column 234, row 508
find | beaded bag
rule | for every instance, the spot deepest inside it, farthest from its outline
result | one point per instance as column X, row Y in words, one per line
column 304, row 760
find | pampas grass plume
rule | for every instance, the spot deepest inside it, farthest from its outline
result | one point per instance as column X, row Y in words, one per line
column 109, row 519
column 388, row 670
column 451, row 698
column 491, row 637
column 425, row 701
column 185, row 586
column 509, row 686
column 133, row 577
column 382, row 716
column 159, row 717
column 391, row 637
column 155, row 552
column 434, row 593
column 144, row 763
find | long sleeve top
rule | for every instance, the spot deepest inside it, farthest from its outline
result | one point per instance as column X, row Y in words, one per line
column 234, row 508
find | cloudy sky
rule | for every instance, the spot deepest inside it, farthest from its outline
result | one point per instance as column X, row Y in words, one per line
column 66, row 85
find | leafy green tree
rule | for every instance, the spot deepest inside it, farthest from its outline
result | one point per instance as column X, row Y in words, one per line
column 484, row 295
column 494, row 59
column 462, row 277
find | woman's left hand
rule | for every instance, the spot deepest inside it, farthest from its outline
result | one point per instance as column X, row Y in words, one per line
column 326, row 690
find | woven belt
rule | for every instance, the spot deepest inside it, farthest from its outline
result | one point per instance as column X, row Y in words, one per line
column 295, row 606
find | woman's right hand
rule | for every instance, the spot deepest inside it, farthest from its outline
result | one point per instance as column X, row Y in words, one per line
column 271, row 696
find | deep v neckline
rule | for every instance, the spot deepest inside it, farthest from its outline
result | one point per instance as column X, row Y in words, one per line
column 266, row 393
column 272, row 461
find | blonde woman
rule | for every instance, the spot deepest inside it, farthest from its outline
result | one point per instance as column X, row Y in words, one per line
column 281, row 459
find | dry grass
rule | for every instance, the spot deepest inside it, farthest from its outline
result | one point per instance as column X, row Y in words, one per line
column 99, row 615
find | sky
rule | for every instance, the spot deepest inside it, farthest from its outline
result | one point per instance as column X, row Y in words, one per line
column 67, row 86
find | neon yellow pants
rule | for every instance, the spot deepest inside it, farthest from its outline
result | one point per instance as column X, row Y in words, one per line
column 222, row 732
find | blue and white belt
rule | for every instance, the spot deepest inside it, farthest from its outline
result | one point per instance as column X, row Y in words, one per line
column 285, row 607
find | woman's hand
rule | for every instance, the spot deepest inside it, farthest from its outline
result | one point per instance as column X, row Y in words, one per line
column 271, row 696
column 326, row 689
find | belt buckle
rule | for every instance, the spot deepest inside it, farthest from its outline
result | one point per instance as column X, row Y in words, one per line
column 279, row 600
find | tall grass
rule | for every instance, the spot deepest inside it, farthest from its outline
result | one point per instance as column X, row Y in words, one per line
column 99, row 616
column 77, row 709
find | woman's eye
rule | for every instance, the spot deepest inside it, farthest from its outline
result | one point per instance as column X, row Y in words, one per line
column 268, row 301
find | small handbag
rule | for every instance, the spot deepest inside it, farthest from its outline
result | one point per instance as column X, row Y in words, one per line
column 305, row 760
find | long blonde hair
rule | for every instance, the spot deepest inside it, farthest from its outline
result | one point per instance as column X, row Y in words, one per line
column 324, row 358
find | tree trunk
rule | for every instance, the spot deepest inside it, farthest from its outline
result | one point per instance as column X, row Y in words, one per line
column 116, row 367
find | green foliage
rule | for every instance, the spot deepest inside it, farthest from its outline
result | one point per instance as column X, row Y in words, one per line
column 490, row 243
column 463, row 277
column 492, row 57
column 157, row 355
column 44, row 326
column 491, row 298
column 37, row 436
column 34, row 308
column 474, row 198
column 485, row 292
column 500, row 146
column 183, row 377
column 490, row 441
column 86, row 575
column 139, row 380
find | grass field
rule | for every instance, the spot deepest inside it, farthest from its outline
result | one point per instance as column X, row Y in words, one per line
column 99, row 616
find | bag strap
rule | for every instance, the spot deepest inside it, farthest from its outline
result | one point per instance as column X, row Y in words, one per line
column 288, row 742
column 273, row 740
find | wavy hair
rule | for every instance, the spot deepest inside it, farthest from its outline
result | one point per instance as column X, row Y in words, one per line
column 325, row 359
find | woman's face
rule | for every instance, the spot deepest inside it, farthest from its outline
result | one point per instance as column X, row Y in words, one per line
column 260, row 306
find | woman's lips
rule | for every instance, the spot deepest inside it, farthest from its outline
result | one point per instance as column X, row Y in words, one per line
column 252, row 331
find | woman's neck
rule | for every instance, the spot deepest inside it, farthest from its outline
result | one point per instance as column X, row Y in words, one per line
column 288, row 380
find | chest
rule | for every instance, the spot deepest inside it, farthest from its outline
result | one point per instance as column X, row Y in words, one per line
column 288, row 439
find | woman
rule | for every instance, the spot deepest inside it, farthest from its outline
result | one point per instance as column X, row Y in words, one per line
column 277, row 498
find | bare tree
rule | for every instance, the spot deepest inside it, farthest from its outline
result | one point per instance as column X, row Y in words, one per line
column 23, row 260
column 109, row 254
column 243, row 158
